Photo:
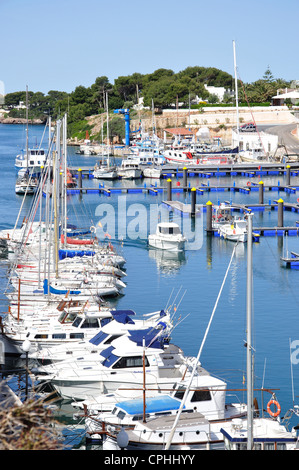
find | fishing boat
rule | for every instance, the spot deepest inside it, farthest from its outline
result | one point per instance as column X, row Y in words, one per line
column 187, row 157
column 168, row 236
column 150, row 171
column 235, row 231
column 253, row 155
column 221, row 215
column 129, row 169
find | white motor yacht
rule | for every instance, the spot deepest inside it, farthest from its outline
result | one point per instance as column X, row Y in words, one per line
column 235, row 231
column 168, row 236
column 129, row 169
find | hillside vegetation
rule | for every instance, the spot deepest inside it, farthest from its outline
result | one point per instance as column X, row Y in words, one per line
column 162, row 88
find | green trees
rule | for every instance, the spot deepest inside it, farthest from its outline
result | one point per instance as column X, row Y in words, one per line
column 163, row 87
column 262, row 90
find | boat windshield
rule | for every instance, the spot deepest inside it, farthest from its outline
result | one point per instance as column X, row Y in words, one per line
column 169, row 230
column 67, row 317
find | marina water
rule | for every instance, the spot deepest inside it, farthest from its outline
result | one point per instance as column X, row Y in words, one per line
column 190, row 280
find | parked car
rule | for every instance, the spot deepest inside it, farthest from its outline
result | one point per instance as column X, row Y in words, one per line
column 249, row 127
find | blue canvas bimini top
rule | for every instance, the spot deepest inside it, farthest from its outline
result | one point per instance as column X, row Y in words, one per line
column 153, row 405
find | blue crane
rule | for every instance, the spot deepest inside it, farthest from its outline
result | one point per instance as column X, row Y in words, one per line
column 126, row 112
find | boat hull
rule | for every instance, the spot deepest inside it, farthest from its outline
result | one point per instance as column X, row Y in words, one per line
column 168, row 245
column 233, row 237
column 130, row 174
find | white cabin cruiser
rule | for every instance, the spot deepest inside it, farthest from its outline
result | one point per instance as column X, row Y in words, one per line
column 168, row 236
column 235, row 231
column 121, row 366
column 130, row 169
column 34, row 161
column 268, row 434
column 207, row 397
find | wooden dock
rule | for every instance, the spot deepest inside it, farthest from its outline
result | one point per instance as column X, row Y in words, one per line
column 183, row 209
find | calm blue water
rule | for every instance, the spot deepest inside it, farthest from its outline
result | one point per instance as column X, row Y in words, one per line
column 196, row 277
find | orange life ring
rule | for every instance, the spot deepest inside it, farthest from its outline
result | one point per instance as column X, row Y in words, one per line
column 248, row 183
column 278, row 410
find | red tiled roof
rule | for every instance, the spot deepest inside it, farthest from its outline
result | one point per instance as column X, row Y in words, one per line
column 179, row 131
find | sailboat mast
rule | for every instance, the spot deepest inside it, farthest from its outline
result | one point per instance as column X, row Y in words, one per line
column 236, row 88
column 108, row 140
column 27, row 127
column 249, row 336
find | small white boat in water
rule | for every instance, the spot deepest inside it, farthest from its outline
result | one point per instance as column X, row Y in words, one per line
column 268, row 434
column 221, row 215
column 130, row 169
column 150, row 171
column 168, row 236
column 235, row 231
column 26, row 185
column 105, row 172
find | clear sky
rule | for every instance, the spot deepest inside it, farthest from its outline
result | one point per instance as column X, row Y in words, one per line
column 60, row 44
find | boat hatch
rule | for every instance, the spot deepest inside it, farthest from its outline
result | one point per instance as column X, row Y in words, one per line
column 98, row 338
column 109, row 357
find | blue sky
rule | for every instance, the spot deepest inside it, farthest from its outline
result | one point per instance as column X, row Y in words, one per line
column 60, row 44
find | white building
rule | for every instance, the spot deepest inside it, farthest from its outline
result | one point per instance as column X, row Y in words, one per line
column 218, row 91
column 255, row 140
column 290, row 94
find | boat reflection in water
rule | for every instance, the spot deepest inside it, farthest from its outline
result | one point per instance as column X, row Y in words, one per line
column 168, row 262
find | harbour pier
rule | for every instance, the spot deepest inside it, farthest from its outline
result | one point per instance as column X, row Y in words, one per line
column 195, row 209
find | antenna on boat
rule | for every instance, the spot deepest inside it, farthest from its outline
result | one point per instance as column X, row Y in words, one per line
column 166, row 307
column 176, row 296
column 175, row 309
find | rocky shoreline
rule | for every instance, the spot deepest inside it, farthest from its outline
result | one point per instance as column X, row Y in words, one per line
column 8, row 120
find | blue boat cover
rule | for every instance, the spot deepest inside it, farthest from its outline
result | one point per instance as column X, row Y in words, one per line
column 58, row 291
column 110, row 358
column 76, row 234
column 123, row 316
column 152, row 337
column 98, row 338
column 153, row 405
column 72, row 253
